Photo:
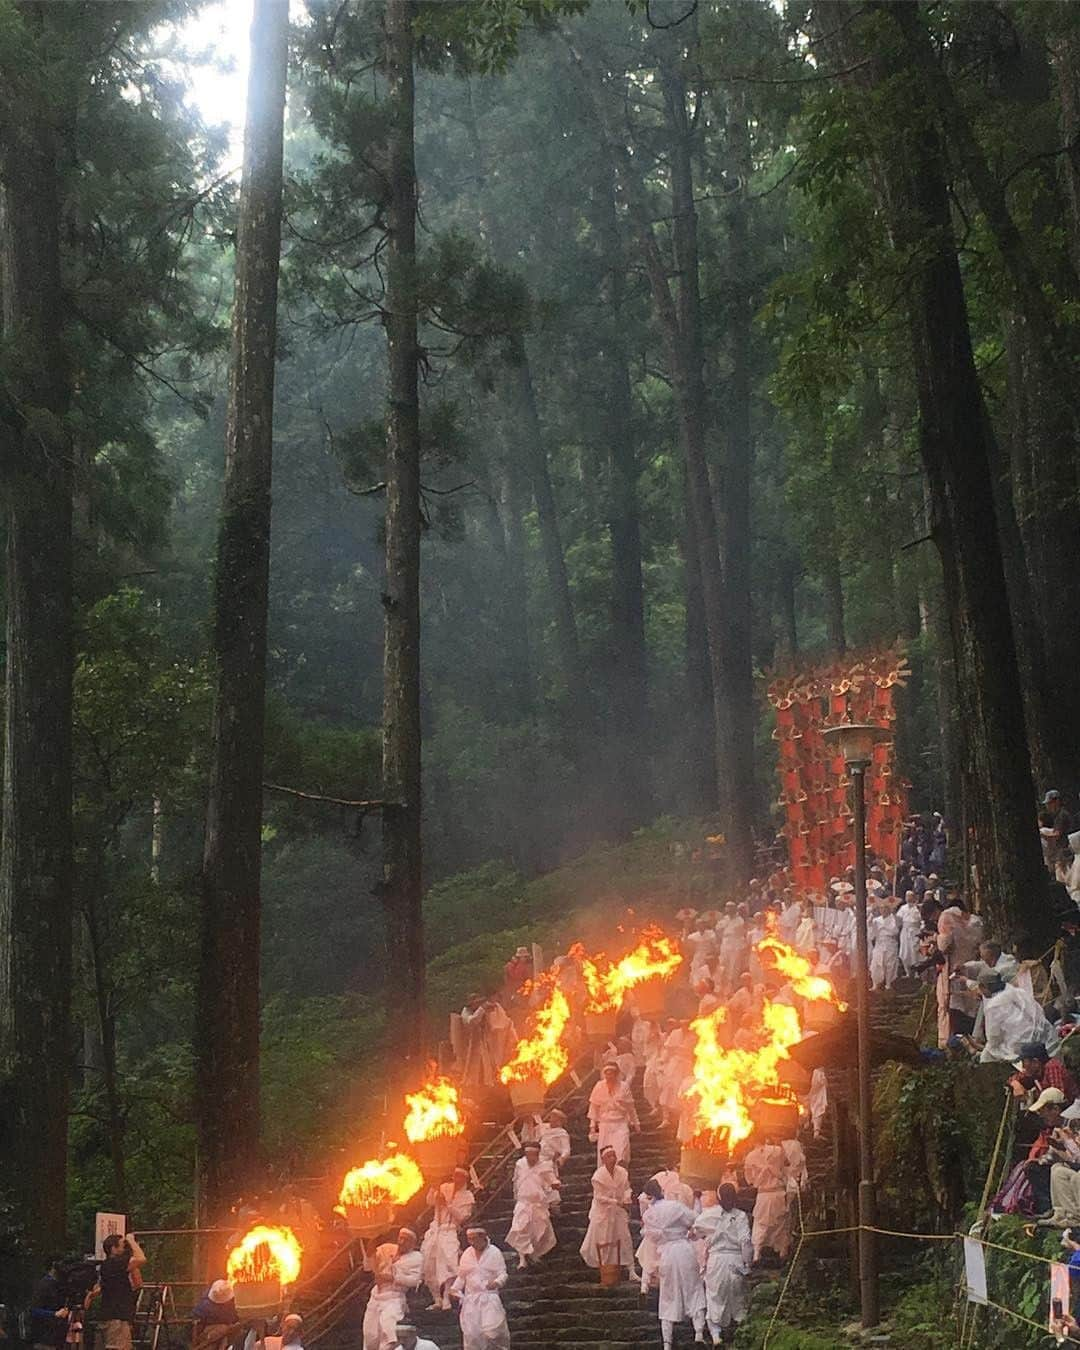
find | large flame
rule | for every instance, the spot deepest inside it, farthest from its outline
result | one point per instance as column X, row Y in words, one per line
column 542, row 1055
column 383, row 1181
column 796, row 969
column 655, row 957
column 265, row 1254
column 433, row 1112
column 728, row 1082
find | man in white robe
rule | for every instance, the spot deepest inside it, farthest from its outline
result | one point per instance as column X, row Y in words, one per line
column 682, row 1293
column 765, row 1168
column 531, row 1234
column 555, row 1141
column 607, row 1239
column 883, row 936
column 728, row 1253
column 530, row 1163
column 910, row 919
column 453, row 1204
column 676, row 1062
column 612, row 1113
column 487, row 1041
column 732, row 947
column 408, row 1338
column 481, row 1274
column 795, row 1157
column 397, row 1267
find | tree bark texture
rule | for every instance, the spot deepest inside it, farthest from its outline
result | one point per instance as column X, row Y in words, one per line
column 401, row 890
column 547, row 515
column 227, row 1013
column 515, row 591
column 955, row 442
column 36, row 874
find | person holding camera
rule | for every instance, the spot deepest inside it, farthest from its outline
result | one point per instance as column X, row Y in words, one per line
column 119, row 1277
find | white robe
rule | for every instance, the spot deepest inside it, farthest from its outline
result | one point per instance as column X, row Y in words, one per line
column 531, row 1233
column 818, row 1099
column 644, row 1038
column 910, row 928
column 700, row 947
column 607, row 1239
column 677, row 1060
column 884, row 934
column 797, row 1175
column 554, row 1145
column 483, row 1317
column 544, row 1170
column 1010, row 1018
column 732, row 952
column 682, row 1293
column 386, row 1305
column 488, row 1042
column 611, row 1114
column 728, row 1253
column 766, row 1168
column 441, row 1247
column 845, row 932
column 648, row 1258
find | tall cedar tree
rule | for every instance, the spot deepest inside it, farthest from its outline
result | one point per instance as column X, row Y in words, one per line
column 956, row 445
column 402, row 881
column 227, row 1030
column 36, row 480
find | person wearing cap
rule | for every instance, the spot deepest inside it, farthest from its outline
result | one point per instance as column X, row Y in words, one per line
column 481, row 1274
column 607, row 1239
column 397, row 1268
column 214, row 1316
column 728, row 1253
column 555, row 1141
column 1055, row 826
column 1011, row 1019
column 409, row 1338
column 531, row 1234
column 1037, row 1069
column 612, row 1113
column 1046, row 1150
column 453, row 1204
column 668, row 1224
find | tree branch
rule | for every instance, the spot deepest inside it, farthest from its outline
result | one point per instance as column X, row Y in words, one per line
column 375, row 804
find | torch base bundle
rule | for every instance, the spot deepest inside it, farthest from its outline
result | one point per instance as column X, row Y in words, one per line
column 527, row 1095
column 369, row 1221
column 702, row 1169
column 440, row 1154
column 257, row 1298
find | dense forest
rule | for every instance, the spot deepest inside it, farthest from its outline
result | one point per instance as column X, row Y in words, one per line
column 611, row 356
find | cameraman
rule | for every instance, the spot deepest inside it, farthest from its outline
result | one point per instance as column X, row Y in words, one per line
column 119, row 1277
column 48, row 1313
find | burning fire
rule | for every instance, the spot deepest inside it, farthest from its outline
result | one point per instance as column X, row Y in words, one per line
column 796, row 969
column 385, row 1181
column 265, row 1254
column 729, row 1082
column 655, row 957
column 433, row 1112
column 542, row 1055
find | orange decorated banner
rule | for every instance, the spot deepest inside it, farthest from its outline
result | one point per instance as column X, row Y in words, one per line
column 814, row 786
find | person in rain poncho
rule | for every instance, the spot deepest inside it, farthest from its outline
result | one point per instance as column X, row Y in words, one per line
column 765, row 1167
column 883, row 933
column 481, row 1274
column 728, row 1253
column 555, row 1141
column 397, row 1267
column 607, row 1239
column 612, row 1113
column 682, row 1293
column 453, row 1203
column 531, row 1234
column 1011, row 1017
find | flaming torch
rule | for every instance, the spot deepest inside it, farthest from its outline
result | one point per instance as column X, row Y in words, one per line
column 652, row 961
column 540, row 1058
column 370, row 1193
column 434, row 1126
column 261, row 1267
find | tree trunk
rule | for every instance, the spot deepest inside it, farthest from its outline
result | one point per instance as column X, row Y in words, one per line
column 227, row 1013
column 547, row 514
column 630, row 675
column 832, row 586
column 787, row 636
column 1065, row 57
column 401, row 889
column 955, row 443
column 700, row 725
column 515, row 593
column 110, row 1076
column 36, row 855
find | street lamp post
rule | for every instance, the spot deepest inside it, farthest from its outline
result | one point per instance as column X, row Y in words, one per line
column 856, row 743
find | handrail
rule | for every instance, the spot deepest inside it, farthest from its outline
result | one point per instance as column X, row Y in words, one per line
column 336, row 1299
